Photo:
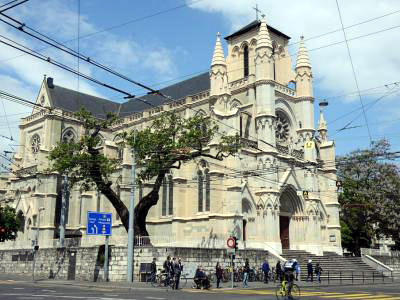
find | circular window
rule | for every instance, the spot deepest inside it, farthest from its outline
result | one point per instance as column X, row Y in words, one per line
column 35, row 143
column 68, row 136
column 282, row 128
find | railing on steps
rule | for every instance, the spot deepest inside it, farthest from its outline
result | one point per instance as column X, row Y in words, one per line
column 352, row 277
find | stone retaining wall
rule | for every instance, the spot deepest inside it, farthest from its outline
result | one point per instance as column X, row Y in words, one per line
column 86, row 264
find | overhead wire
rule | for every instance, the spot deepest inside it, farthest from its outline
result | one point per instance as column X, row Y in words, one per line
column 354, row 72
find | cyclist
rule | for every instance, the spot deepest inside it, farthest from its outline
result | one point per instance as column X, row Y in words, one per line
column 288, row 272
column 153, row 269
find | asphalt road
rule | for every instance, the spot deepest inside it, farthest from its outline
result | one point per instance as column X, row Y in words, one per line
column 14, row 288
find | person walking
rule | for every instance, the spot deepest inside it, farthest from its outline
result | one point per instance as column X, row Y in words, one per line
column 218, row 273
column 167, row 270
column 278, row 270
column 177, row 273
column 298, row 272
column 246, row 271
column 153, row 269
column 318, row 271
column 310, row 270
column 265, row 269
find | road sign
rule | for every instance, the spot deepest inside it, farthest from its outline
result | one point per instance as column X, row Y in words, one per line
column 230, row 242
column 98, row 223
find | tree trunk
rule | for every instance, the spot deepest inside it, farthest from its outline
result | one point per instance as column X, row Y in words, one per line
column 143, row 207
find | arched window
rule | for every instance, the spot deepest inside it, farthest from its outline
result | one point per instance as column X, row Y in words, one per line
column 167, row 205
column 203, row 190
column 68, row 136
column 246, row 61
column 35, row 143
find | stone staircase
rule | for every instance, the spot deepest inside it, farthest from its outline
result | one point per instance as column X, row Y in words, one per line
column 336, row 267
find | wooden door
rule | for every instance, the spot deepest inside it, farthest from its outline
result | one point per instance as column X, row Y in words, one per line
column 284, row 231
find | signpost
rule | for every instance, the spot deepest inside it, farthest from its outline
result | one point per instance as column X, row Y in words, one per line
column 100, row 224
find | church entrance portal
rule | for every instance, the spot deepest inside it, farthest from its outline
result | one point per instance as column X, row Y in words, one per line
column 290, row 205
column 284, row 231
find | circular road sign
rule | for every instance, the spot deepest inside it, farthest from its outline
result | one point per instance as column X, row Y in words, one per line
column 231, row 242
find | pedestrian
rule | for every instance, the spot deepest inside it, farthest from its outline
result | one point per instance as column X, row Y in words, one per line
column 298, row 272
column 310, row 270
column 153, row 269
column 265, row 269
column 167, row 269
column 246, row 271
column 278, row 270
column 177, row 273
column 218, row 273
column 318, row 271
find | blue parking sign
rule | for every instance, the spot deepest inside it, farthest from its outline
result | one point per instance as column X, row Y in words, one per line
column 98, row 223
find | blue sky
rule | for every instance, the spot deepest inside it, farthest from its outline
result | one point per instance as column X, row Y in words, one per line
column 168, row 47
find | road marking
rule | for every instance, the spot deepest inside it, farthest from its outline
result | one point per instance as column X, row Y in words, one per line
column 19, row 288
column 36, row 297
column 155, row 298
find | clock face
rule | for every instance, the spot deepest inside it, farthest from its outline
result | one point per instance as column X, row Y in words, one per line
column 282, row 128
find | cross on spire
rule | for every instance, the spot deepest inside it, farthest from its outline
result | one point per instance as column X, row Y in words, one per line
column 257, row 11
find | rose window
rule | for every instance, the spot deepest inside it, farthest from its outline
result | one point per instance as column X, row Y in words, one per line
column 35, row 143
column 282, row 128
column 68, row 137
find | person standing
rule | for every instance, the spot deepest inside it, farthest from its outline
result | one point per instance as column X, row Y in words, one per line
column 310, row 271
column 298, row 272
column 167, row 269
column 265, row 269
column 153, row 269
column 177, row 273
column 278, row 270
column 318, row 271
column 218, row 273
column 246, row 271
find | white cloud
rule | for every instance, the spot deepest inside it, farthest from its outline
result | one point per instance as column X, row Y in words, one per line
column 375, row 58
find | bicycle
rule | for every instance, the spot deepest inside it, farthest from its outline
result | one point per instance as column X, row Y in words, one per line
column 282, row 291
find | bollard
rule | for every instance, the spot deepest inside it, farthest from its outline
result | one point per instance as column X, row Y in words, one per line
column 373, row 276
column 328, row 276
column 340, row 277
column 363, row 275
column 352, row 278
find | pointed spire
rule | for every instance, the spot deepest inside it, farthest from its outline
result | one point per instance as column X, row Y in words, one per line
column 218, row 57
column 322, row 123
column 303, row 59
column 264, row 41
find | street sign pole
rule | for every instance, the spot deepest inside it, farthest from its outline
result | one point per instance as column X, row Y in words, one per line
column 131, row 228
column 232, row 269
column 106, row 258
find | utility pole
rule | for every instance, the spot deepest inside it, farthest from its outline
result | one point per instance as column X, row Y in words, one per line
column 131, row 230
column 63, row 204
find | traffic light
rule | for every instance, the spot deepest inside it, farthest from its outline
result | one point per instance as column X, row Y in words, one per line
column 3, row 233
column 236, row 243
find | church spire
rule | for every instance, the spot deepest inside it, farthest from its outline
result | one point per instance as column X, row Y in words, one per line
column 264, row 41
column 218, row 57
column 322, row 127
column 303, row 59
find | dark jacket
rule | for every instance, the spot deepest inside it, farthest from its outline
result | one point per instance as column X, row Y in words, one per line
column 278, row 268
column 177, row 268
column 167, row 266
column 246, row 267
column 265, row 267
column 318, row 269
column 200, row 274
column 218, row 271
column 309, row 267
column 153, row 267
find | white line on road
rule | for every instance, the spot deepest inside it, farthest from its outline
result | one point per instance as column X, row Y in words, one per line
column 36, row 297
column 19, row 288
column 155, row 298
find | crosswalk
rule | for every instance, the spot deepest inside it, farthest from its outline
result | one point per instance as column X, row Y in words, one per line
column 322, row 295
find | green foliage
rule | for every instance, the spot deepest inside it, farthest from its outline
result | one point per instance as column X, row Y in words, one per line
column 370, row 200
column 80, row 159
column 10, row 223
column 173, row 139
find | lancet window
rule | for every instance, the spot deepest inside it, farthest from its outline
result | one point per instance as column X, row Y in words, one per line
column 167, row 204
column 246, row 60
column 203, row 190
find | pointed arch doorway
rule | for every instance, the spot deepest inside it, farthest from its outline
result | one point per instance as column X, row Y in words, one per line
column 290, row 204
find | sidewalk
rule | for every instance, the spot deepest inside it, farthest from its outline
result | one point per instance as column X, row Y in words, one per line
column 27, row 278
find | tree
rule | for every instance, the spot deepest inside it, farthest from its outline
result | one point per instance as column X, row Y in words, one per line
column 370, row 202
column 10, row 223
column 168, row 142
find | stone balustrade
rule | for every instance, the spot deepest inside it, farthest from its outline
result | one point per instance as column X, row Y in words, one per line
column 285, row 90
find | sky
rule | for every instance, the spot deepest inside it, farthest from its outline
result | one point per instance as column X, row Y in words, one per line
column 160, row 42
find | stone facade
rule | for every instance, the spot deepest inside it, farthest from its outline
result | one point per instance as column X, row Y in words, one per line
column 84, row 264
column 278, row 192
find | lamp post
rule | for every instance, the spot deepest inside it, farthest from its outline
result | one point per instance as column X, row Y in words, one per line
column 36, row 246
